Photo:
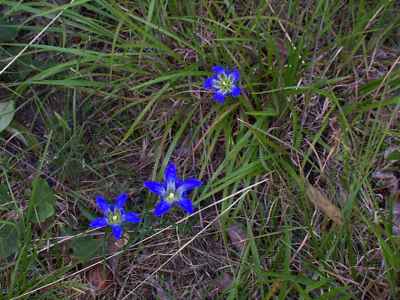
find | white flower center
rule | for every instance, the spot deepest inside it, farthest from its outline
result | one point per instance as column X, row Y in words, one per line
column 171, row 196
column 224, row 84
column 114, row 217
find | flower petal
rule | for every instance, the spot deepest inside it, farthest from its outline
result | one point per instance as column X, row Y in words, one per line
column 102, row 204
column 235, row 74
column 208, row 83
column 236, row 91
column 98, row 222
column 117, row 231
column 161, row 208
column 218, row 69
column 187, row 185
column 132, row 217
column 120, row 200
column 219, row 97
column 186, row 205
column 155, row 187
column 170, row 174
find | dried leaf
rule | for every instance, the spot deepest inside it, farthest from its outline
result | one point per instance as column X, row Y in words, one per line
column 99, row 278
column 324, row 204
column 161, row 293
column 276, row 286
column 283, row 51
column 225, row 281
column 390, row 179
column 396, row 218
column 115, row 246
column 237, row 236
column 119, row 244
column 220, row 285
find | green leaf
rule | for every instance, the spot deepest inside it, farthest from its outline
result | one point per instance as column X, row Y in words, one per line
column 8, row 239
column 8, row 32
column 268, row 112
column 85, row 248
column 43, row 200
column 7, row 111
column 395, row 155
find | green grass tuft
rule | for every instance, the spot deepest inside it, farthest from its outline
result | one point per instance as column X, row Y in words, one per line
column 112, row 90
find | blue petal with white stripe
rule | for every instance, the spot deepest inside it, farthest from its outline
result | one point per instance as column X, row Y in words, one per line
column 223, row 83
column 173, row 191
column 114, row 215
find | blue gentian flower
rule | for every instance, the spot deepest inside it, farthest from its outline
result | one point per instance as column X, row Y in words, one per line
column 223, row 83
column 172, row 191
column 114, row 215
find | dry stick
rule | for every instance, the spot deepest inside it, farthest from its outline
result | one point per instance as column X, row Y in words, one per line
column 34, row 39
column 392, row 67
column 184, row 246
column 178, row 222
column 84, row 269
column 137, row 243
column 67, row 238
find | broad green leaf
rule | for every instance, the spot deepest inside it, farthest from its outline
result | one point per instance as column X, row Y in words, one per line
column 8, row 32
column 395, row 155
column 87, row 213
column 43, row 200
column 85, row 248
column 8, row 239
column 7, row 111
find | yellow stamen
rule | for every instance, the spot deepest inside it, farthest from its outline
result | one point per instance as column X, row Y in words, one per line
column 171, row 196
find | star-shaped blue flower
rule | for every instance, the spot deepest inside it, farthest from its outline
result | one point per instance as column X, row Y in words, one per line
column 172, row 191
column 114, row 215
column 223, row 83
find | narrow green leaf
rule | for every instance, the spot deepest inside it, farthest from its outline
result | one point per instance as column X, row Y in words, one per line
column 269, row 112
column 5, row 199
